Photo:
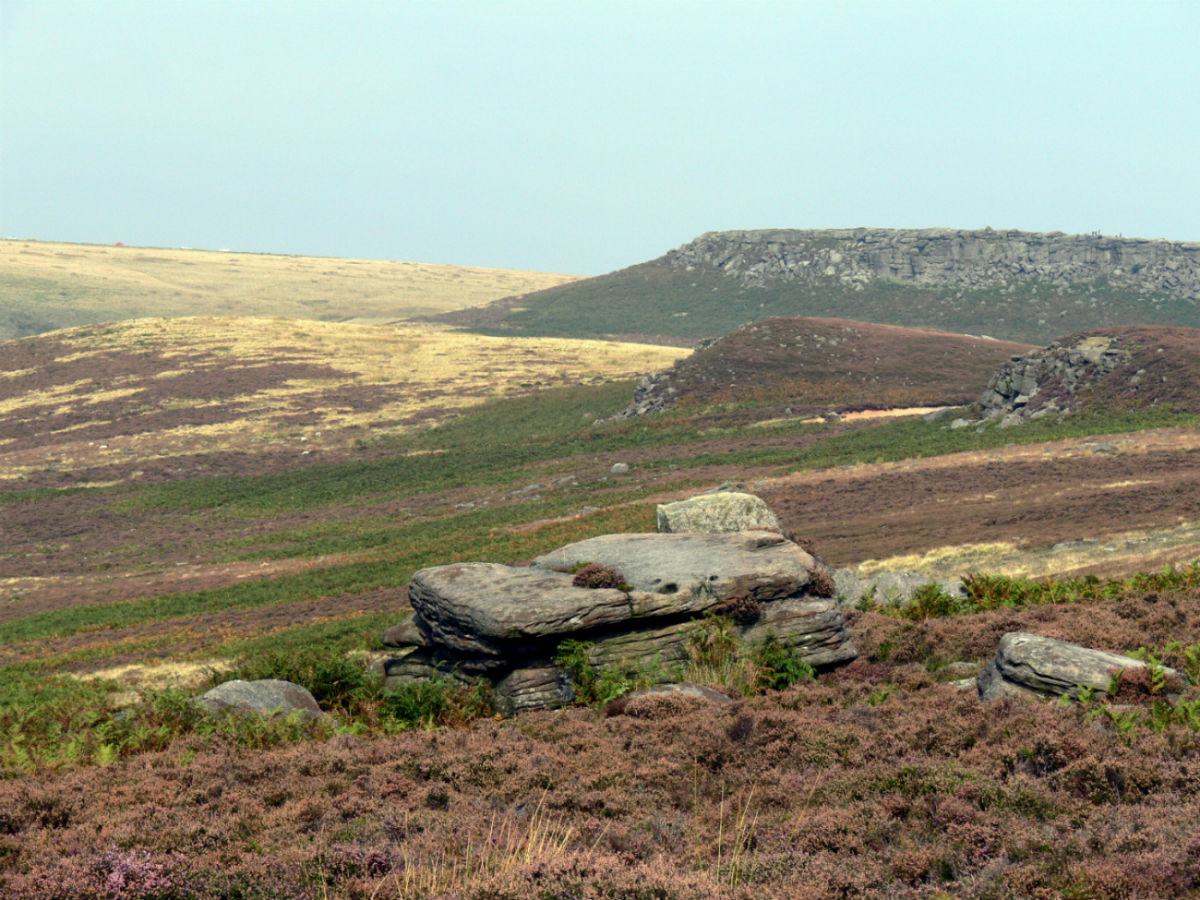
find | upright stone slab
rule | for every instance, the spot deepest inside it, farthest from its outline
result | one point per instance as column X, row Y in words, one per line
column 716, row 513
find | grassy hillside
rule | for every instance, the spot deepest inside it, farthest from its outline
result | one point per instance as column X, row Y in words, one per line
column 46, row 286
column 671, row 305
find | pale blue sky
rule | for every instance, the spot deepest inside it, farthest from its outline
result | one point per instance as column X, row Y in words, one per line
column 581, row 136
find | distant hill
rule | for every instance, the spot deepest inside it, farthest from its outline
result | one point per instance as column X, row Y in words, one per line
column 1014, row 285
column 807, row 366
column 47, row 286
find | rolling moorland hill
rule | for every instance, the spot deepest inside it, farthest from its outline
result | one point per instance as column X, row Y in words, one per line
column 809, row 366
column 1014, row 285
column 151, row 399
column 46, row 286
column 122, row 595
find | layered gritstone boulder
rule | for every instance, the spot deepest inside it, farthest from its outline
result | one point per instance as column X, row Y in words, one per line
column 506, row 624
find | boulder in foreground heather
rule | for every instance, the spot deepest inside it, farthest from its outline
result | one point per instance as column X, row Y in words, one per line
column 269, row 696
column 1030, row 664
column 717, row 513
column 509, row 625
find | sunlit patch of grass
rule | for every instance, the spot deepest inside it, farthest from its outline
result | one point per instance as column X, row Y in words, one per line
column 1127, row 549
column 105, row 284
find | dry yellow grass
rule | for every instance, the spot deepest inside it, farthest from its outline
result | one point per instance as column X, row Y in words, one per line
column 1130, row 551
column 74, row 284
column 372, row 380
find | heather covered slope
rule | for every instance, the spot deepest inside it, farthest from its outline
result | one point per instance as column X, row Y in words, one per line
column 1015, row 285
column 47, row 286
column 814, row 366
column 883, row 778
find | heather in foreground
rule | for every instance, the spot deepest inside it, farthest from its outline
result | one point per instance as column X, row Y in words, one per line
column 877, row 779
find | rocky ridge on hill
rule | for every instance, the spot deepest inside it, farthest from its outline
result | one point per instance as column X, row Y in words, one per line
column 1123, row 367
column 945, row 256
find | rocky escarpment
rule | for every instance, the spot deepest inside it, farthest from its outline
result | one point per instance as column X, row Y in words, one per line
column 967, row 259
column 1047, row 381
column 1014, row 285
column 1126, row 367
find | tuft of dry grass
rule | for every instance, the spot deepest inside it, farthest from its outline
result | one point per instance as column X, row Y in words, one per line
column 1120, row 551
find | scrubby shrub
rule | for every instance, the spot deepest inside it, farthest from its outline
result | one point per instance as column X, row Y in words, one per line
column 741, row 607
column 821, row 584
column 713, row 642
column 594, row 575
column 426, row 704
column 780, row 667
column 593, row 687
column 929, row 601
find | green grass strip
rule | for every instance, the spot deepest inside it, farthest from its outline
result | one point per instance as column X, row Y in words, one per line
column 426, row 544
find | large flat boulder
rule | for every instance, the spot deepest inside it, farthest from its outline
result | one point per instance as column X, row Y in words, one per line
column 493, row 610
column 1031, row 664
column 763, row 565
column 717, row 513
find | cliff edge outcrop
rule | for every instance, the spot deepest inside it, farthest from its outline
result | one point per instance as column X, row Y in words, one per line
column 944, row 256
column 1012, row 285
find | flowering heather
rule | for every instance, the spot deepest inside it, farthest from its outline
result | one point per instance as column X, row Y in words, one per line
column 882, row 778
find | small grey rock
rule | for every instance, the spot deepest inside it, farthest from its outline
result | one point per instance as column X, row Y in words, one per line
column 269, row 696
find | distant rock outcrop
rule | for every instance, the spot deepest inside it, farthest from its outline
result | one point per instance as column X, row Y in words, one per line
column 506, row 624
column 814, row 367
column 945, row 256
column 1015, row 285
column 1116, row 368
